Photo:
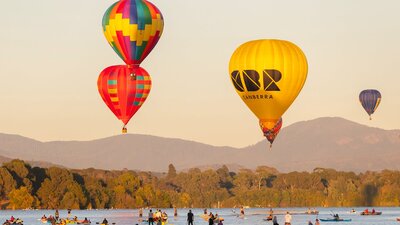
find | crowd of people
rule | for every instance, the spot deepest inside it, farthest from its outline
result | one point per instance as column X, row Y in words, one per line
column 157, row 216
column 56, row 219
column 13, row 220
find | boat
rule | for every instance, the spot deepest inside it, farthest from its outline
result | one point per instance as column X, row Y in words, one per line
column 371, row 213
column 335, row 220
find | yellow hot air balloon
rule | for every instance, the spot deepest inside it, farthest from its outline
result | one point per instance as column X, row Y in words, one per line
column 268, row 75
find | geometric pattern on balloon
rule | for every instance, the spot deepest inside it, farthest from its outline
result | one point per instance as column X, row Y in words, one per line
column 124, row 89
column 133, row 28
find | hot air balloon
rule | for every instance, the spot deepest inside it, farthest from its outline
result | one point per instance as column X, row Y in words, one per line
column 124, row 89
column 133, row 28
column 268, row 75
column 271, row 134
column 370, row 100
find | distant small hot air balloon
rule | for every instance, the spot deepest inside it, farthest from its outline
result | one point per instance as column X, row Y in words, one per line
column 124, row 89
column 133, row 28
column 271, row 134
column 268, row 75
column 370, row 100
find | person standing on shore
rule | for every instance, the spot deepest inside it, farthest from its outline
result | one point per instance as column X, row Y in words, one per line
column 288, row 219
column 190, row 217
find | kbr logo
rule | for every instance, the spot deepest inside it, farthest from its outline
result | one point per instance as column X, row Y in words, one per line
column 251, row 80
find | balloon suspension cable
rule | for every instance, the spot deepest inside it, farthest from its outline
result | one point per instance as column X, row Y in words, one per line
column 133, row 65
column 270, row 147
column 370, row 118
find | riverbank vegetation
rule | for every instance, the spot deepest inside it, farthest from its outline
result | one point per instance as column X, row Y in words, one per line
column 22, row 186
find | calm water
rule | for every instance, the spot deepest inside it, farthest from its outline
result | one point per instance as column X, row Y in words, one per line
column 253, row 216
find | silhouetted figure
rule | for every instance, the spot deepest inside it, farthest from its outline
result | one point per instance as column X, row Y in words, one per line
column 190, row 217
column 275, row 221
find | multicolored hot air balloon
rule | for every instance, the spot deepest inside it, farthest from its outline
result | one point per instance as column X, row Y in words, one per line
column 370, row 100
column 124, row 89
column 268, row 75
column 133, row 28
column 271, row 134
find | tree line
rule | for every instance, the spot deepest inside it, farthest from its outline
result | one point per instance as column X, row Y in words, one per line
column 22, row 187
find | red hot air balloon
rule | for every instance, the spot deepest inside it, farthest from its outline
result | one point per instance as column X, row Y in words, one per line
column 133, row 28
column 124, row 89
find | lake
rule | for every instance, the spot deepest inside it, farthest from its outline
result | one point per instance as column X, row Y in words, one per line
column 254, row 216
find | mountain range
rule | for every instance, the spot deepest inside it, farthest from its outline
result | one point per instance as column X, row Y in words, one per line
column 328, row 142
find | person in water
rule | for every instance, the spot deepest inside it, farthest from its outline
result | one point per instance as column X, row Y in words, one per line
column 190, row 217
column 242, row 211
column 275, row 221
column 150, row 218
column 211, row 220
column 175, row 212
column 57, row 214
column 288, row 219
column 317, row 222
column 104, row 221
column 140, row 212
column 86, row 220
column 309, row 223
column 336, row 216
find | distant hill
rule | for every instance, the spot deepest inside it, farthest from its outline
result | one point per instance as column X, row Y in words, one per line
column 40, row 164
column 325, row 142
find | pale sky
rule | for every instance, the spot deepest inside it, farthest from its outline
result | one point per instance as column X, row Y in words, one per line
column 53, row 51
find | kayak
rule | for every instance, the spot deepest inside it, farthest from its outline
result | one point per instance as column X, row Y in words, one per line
column 335, row 220
column 204, row 216
column 370, row 214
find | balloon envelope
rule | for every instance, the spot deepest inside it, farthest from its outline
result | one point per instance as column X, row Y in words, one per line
column 124, row 90
column 370, row 100
column 268, row 75
column 133, row 28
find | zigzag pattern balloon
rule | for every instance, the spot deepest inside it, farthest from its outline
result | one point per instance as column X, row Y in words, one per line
column 133, row 28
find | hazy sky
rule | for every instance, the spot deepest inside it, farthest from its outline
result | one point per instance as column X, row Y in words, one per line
column 53, row 50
